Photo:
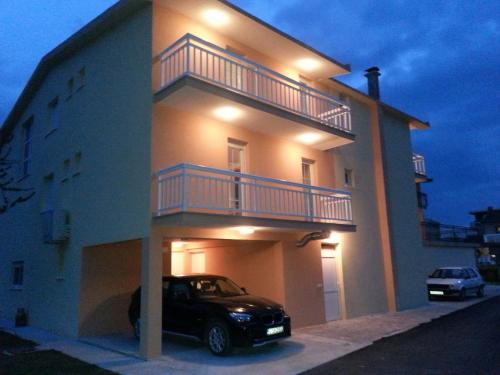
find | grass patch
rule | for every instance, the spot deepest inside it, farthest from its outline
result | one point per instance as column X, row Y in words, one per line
column 9, row 341
column 25, row 361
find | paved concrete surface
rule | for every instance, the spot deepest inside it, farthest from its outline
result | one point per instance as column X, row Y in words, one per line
column 462, row 343
column 306, row 349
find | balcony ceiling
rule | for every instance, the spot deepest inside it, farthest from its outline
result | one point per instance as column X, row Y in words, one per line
column 204, row 99
column 259, row 36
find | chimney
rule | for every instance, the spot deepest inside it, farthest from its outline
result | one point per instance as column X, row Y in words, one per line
column 372, row 75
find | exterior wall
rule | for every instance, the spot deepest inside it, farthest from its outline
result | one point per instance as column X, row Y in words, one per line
column 402, row 211
column 110, row 274
column 435, row 256
column 362, row 256
column 303, row 283
column 201, row 140
column 108, row 122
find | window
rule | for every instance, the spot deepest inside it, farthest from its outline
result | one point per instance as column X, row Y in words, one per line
column 70, row 87
column 348, row 177
column 28, row 134
column 77, row 162
column 66, row 170
column 53, row 115
column 48, row 193
column 307, row 175
column 17, row 274
column 80, row 79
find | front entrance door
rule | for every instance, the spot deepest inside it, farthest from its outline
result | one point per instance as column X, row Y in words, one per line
column 330, row 285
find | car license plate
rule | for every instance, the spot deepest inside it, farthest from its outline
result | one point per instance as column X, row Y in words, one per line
column 274, row 330
column 436, row 292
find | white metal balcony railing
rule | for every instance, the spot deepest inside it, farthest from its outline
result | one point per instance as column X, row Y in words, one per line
column 194, row 188
column 192, row 56
column 419, row 164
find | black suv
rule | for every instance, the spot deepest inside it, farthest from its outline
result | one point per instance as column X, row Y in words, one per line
column 215, row 310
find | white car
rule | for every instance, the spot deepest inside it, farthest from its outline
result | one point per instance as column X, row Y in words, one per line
column 455, row 281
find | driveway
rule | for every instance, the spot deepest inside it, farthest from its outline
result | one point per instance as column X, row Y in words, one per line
column 306, row 349
column 465, row 342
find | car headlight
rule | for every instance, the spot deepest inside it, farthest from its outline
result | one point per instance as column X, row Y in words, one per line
column 240, row 317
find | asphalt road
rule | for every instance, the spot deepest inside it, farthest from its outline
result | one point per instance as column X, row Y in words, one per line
column 465, row 342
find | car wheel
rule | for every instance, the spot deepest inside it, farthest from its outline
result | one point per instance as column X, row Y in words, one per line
column 137, row 329
column 218, row 338
column 462, row 294
column 480, row 291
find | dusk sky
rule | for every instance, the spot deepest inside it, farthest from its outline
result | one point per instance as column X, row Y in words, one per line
column 440, row 61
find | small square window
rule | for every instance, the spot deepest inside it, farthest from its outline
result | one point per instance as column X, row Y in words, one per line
column 80, row 80
column 77, row 163
column 66, row 170
column 348, row 177
column 27, row 146
column 53, row 115
column 70, row 86
column 17, row 274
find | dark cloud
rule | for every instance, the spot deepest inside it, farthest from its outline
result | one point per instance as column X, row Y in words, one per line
column 440, row 62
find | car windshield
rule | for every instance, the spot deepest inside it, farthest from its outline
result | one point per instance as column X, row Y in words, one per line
column 210, row 287
column 448, row 273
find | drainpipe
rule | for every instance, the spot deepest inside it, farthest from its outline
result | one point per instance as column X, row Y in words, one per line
column 314, row 236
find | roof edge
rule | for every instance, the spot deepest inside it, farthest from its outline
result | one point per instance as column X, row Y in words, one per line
column 413, row 121
column 110, row 17
column 346, row 67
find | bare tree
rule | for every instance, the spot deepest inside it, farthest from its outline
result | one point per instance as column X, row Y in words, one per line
column 11, row 192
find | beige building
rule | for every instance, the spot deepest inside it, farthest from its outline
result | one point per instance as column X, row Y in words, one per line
column 174, row 136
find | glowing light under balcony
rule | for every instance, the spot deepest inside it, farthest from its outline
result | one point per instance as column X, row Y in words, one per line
column 245, row 230
column 228, row 113
column 308, row 64
column 215, row 17
column 308, row 138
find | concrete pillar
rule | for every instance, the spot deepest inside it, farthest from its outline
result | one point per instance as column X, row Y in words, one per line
column 151, row 297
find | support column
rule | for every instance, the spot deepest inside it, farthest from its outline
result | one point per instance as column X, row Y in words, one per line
column 151, row 297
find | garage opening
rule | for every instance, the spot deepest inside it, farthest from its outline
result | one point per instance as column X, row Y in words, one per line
column 110, row 274
column 254, row 265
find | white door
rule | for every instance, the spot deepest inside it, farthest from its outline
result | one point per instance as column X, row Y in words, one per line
column 236, row 163
column 330, row 285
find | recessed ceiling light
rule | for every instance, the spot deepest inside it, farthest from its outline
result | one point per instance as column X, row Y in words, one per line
column 308, row 138
column 308, row 64
column 215, row 17
column 228, row 113
column 245, row 230
column 178, row 244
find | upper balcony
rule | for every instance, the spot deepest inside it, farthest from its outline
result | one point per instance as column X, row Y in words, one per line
column 186, row 192
column 419, row 165
column 201, row 77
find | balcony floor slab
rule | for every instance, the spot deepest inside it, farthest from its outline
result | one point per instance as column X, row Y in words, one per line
column 192, row 219
column 197, row 96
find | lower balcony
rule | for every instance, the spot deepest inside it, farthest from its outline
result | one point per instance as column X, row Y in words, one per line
column 224, row 198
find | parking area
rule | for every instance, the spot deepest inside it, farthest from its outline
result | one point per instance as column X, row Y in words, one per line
column 307, row 348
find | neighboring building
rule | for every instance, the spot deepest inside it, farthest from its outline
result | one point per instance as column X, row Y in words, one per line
column 187, row 136
column 487, row 223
